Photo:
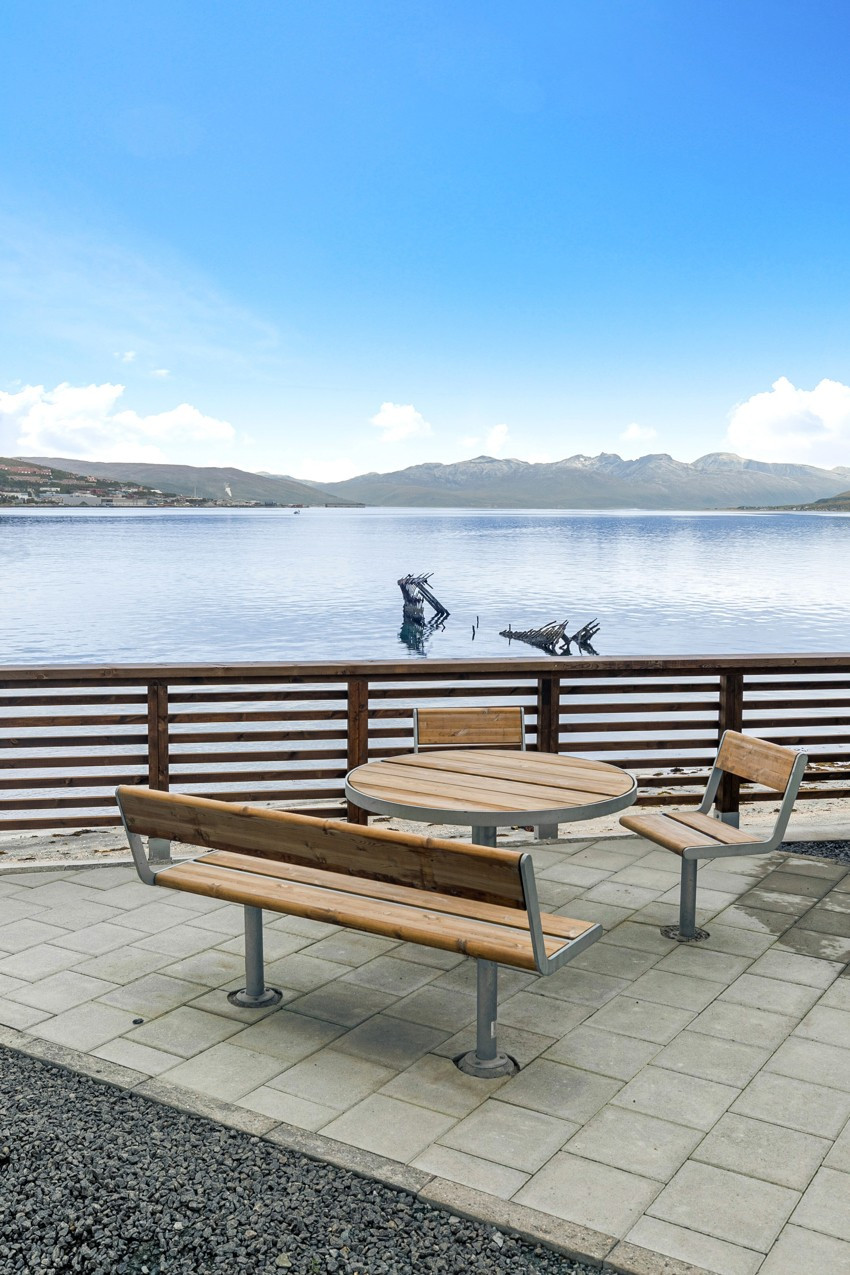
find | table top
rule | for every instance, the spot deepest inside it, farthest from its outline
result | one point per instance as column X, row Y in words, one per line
column 490, row 787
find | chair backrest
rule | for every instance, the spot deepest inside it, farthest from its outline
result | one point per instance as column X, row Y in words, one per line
column 490, row 875
column 468, row 728
column 756, row 760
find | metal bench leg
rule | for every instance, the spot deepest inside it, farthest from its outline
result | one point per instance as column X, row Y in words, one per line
column 547, row 832
column 483, row 836
column 486, row 1060
column 255, row 994
column 159, row 852
column 687, row 930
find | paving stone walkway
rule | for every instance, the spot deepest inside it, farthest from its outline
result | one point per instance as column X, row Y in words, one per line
column 691, row 1103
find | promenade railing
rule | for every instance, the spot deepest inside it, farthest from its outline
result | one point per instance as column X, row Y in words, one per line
column 288, row 733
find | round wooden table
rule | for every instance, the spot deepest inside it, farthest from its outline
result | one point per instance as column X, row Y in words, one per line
column 490, row 788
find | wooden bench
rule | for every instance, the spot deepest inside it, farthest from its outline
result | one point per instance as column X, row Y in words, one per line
column 698, row 834
column 477, row 900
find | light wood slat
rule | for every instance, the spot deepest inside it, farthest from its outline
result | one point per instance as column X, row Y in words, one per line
column 462, row 727
column 725, row 832
column 556, row 769
column 561, row 926
column 406, row 924
column 481, row 790
column 490, row 875
column 756, row 760
column 667, row 832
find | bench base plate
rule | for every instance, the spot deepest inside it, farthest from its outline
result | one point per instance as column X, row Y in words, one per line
column 242, row 998
column 487, row 1068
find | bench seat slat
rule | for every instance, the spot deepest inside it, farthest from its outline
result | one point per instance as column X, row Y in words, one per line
column 481, row 939
column 679, row 834
column 561, row 927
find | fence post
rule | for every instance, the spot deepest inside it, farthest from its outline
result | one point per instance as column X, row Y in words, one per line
column 158, row 735
column 357, row 737
column 548, row 714
column 730, row 717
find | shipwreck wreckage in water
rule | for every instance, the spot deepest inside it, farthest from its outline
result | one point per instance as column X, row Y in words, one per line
column 417, row 593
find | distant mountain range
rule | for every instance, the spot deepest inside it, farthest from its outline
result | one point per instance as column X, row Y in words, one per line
column 717, row 481
column 209, row 481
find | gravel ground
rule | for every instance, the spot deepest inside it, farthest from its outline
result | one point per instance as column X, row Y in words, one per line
column 838, row 850
column 106, row 1182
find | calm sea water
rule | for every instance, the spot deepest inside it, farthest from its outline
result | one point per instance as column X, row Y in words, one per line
column 179, row 585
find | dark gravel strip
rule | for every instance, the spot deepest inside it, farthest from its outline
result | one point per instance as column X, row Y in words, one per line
column 99, row 1180
column 837, row 850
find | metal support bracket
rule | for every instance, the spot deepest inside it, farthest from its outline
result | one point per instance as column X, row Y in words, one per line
column 255, row 994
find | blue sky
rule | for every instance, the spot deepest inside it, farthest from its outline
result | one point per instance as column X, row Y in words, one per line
column 338, row 236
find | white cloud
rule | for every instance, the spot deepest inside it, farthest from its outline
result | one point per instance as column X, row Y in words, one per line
column 493, row 443
column 81, row 421
column 635, row 433
column 129, row 356
column 398, row 421
column 788, row 424
column 161, row 373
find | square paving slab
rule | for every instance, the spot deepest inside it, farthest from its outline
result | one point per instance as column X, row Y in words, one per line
column 687, row 1105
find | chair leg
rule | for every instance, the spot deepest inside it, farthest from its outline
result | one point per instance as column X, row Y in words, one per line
column 687, row 930
column 486, row 1060
column 255, row 994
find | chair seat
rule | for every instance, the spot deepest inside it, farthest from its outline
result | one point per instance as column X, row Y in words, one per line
column 681, row 831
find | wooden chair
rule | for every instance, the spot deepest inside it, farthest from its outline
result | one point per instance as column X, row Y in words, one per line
column 473, row 728
column 468, row 728
column 694, row 835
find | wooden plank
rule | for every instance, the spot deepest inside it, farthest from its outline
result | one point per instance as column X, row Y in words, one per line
column 551, row 769
column 406, row 924
column 756, row 760
column 158, row 735
column 490, row 875
column 357, row 739
column 715, row 828
column 560, row 926
column 466, row 792
column 667, row 832
column 461, row 727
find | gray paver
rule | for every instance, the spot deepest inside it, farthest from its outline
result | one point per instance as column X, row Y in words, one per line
column 826, row 1025
column 731, row 1207
column 700, row 962
column 388, row 974
column 679, row 990
column 225, row 1072
column 470, row 1170
column 207, row 969
column 129, row 1053
column 436, row 1007
column 437, row 1083
column 741, row 1022
column 61, row 991
column 509, row 1135
column 21, row 1017
column 334, row 1080
column 704, row 1252
column 541, row 1014
column 687, row 1100
column 758, row 1150
column 636, row 1142
column 287, row 1108
column 801, row 1252
column 84, row 1027
column 389, row 1127
column 585, row 987
column 618, row 961
column 607, row 1053
column 19, row 935
column 792, row 999
column 712, row 1058
column 826, row 947
column 789, row 967
column 342, row 1003
column 646, row 1020
column 589, row 1193
column 287, row 1036
column 804, row 1058
column 152, row 995
column 558, row 1090
column 182, row 1031
column 839, row 1156
column 796, row 1104
column 390, row 1041
column 39, row 962
column 826, row 1205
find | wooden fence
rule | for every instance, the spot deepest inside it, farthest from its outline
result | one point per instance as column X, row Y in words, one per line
column 288, row 733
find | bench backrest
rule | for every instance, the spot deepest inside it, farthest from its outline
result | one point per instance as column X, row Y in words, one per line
column 468, row 728
column 756, row 760
column 487, row 874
